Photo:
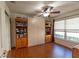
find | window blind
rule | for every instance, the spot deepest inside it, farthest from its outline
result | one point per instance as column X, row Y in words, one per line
column 72, row 29
column 67, row 29
column 59, row 29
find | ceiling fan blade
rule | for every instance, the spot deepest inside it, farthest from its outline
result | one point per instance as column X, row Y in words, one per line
column 38, row 11
column 49, row 15
column 55, row 12
column 47, row 8
column 51, row 8
column 40, row 14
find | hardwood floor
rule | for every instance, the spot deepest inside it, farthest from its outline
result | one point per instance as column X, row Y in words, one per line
column 49, row 50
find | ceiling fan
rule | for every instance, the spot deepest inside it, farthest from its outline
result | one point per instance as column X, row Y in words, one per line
column 47, row 11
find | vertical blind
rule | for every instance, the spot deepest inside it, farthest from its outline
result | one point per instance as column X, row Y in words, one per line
column 67, row 29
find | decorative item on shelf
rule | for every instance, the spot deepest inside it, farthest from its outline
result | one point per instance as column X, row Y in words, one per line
column 25, row 24
column 21, row 35
column 48, row 24
column 24, row 34
column 25, row 31
column 17, row 36
column 17, row 31
column 21, row 31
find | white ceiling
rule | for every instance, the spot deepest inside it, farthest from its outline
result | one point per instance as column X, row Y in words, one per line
column 29, row 7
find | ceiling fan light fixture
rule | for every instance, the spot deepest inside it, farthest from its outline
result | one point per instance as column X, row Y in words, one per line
column 45, row 14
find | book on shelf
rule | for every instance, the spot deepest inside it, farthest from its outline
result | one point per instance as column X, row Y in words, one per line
column 17, row 31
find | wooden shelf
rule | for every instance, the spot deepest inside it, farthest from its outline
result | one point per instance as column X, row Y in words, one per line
column 21, row 26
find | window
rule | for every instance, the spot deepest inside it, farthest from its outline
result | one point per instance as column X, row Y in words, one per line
column 73, row 37
column 59, row 35
column 59, row 29
column 67, row 29
column 72, row 29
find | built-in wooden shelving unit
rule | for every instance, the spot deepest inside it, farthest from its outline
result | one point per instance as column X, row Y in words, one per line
column 48, row 34
column 21, row 32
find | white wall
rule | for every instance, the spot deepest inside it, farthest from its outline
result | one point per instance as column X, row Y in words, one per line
column 36, row 31
column 5, row 36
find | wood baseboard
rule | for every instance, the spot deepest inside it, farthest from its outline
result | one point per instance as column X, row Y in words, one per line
column 13, row 47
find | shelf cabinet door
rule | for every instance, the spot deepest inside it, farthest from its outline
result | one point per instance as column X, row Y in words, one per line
column 48, row 38
column 18, row 43
column 24, row 42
